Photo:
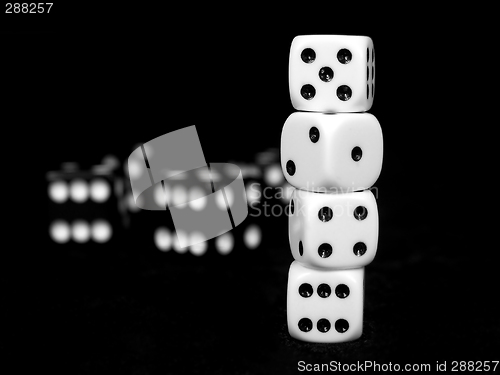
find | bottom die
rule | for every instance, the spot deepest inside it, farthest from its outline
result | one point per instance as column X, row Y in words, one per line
column 323, row 305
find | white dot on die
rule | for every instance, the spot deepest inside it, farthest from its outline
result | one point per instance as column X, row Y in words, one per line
column 58, row 191
column 219, row 200
column 224, row 243
column 160, row 195
column 99, row 190
column 80, row 231
column 180, row 237
column 252, row 236
column 273, row 175
column 79, row 190
column 101, row 231
column 199, row 245
column 163, row 239
column 134, row 169
column 179, row 196
column 59, row 231
column 197, row 200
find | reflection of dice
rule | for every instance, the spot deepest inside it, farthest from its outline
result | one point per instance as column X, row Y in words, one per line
column 197, row 202
column 332, row 73
column 247, row 236
column 336, row 152
column 83, row 205
column 325, row 306
column 334, row 231
column 210, row 213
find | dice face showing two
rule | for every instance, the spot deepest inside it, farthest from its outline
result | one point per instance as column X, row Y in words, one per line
column 333, row 231
column 332, row 73
column 325, row 306
column 331, row 152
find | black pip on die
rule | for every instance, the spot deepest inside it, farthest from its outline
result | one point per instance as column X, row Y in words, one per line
column 331, row 158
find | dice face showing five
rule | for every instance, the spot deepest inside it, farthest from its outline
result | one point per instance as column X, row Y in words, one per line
column 333, row 231
column 325, row 306
column 331, row 152
column 332, row 73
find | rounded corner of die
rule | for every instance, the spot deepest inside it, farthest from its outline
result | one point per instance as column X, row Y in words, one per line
column 372, row 116
column 291, row 330
column 357, row 332
column 294, row 41
column 297, row 39
column 291, row 116
column 373, row 121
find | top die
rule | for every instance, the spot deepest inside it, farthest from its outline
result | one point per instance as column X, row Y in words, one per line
column 332, row 73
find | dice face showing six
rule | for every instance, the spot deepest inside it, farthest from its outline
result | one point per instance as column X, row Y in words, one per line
column 325, row 306
column 331, row 152
column 333, row 231
column 332, row 73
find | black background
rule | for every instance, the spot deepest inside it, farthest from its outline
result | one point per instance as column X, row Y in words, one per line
column 87, row 81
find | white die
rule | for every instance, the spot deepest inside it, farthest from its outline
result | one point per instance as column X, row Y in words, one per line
column 335, row 152
column 333, row 231
column 325, row 306
column 332, row 73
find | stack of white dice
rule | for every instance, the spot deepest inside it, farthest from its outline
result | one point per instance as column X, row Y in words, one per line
column 331, row 154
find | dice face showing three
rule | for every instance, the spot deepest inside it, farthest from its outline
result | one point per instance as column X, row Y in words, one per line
column 333, row 231
column 332, row 73
column 331, row 152
column 325, row 306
